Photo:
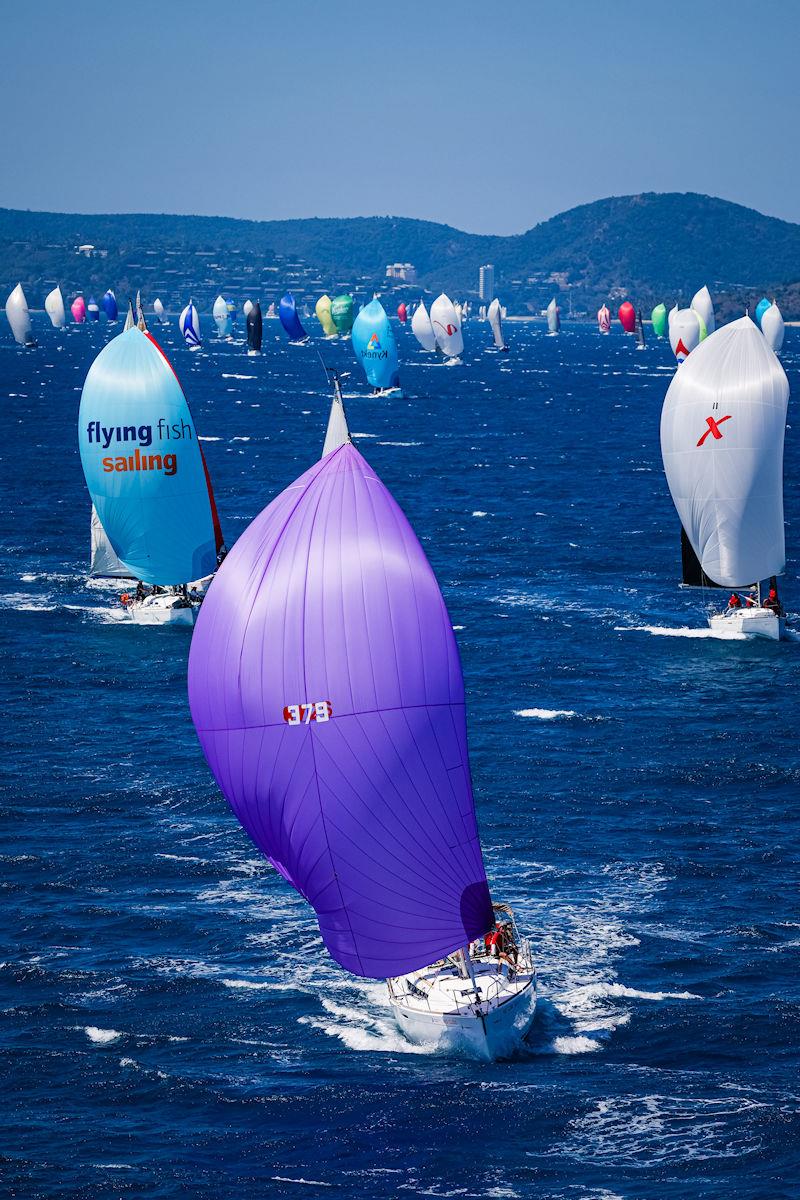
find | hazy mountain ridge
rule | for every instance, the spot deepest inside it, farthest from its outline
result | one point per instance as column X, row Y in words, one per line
column 652, row 246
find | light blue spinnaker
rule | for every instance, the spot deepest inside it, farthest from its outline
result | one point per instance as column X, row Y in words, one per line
column 375, row 347
column 761, row 308
column 144, row 466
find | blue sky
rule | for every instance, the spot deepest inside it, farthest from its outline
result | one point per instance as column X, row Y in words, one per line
column 489, row 116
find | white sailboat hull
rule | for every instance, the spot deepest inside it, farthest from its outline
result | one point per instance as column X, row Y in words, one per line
column 162, row 610
column 486, row 1017
column 752, row 622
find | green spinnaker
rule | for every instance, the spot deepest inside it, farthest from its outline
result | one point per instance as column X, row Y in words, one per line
column 659, row 318
column 342, row 312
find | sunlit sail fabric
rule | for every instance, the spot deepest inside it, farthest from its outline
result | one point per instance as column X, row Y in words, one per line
column 375, row 347
column 143, row 464
column 326, row 689
column 773, row 328
column 54, row 307
column 446, row 326
column 323, row 311
column 494, row 317
column 703, row 305
column 189, row 325
column 287, row 311
column 19, row 318
column 422, row 329
column 722, row 432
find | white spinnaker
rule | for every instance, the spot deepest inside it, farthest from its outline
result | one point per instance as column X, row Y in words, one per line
column 421, row 327
column 446, row 326
column 686, row 331
column 722, row 430
column 221, row 315
column 104, row 562
column 493, row 316
column 189, row 324
column 18, row 316
column 158, row 309
column 772, row 327
column 54, row 307
column 246, row 307
column 703, row 305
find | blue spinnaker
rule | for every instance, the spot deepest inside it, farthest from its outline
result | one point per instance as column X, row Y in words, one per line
column 375, row 347
column 143, row 463
column 287, row 311
column 761, row 308
column 109, row 305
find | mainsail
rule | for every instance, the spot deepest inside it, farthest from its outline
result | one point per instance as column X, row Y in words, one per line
column 109, row 305
column 375, row 347
column 222, row 317
column 342, row 314
column 640, row 329
column 772, row 327
column 703, row 305
column 19, row 317
column 255, row 328
column 326, row 690
column 446, row 326
column 659, row 320
column 323, row 310
column 494, row 317
column 421, row 327
column 104, row 562
column 54, row 307
column 287, row 311
column 189, row 325
column 144, row 466
column 553, row 316
column 722, row 431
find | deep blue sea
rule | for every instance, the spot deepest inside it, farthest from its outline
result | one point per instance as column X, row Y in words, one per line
column 169, row 1026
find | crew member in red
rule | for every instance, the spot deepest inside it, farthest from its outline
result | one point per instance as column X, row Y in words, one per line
column 773, row 603
column 734, row 601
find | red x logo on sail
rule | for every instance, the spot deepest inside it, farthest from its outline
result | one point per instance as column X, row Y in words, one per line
column 713, row 428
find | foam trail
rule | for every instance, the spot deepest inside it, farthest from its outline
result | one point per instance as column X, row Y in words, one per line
column 545, row 714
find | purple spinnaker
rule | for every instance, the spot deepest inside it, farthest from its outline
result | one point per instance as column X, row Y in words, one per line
column 327, row 599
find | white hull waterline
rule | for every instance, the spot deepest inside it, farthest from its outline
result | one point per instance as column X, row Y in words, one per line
column 750, row 622
column 483, row 1007
column 163, row 609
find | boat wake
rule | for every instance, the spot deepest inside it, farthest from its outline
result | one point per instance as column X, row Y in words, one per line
column 682, row 631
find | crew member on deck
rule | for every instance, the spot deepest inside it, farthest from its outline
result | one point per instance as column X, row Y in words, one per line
column 734, row 601
column 773, row 603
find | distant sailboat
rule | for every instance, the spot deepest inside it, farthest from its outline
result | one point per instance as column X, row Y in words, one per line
column 722, row 434
column 627, row 316
column 495, row 319
column 640, row 342
column 54, row 307
column 92, row 310
column 772, row 327
column 148, row 483
column 376, row 349
column 222, row 318
column 686, row 331
column 323, row 312
column 422, row 328
column 270, row 314
column 255, row 329
column 603, row 319
column 159, row 310
column 109, row 305
column 19, row 318
column 402, row 313
column 761, row 308
column 189, row 325
column 130, row 317
column 553, row 317
column 78, row 310
column 287, row 311
column 703, row 305
column 248, row 304
column 342, row 750
column 343, row 314
column 447, row 329
column 658, row 318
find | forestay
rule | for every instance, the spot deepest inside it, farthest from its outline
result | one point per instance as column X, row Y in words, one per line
column 722, row 432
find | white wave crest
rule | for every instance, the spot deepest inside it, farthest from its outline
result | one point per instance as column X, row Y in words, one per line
column 103, row 1037
column 545, row 714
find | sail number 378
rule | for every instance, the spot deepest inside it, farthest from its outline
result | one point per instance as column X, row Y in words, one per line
column 304, row 714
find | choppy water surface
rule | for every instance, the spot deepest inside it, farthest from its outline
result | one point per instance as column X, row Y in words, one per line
column 169, row 1027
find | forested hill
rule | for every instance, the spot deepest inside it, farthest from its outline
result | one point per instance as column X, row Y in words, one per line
column 651, row 247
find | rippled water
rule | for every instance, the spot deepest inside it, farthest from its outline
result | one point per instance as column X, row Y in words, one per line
column 169, row 1026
